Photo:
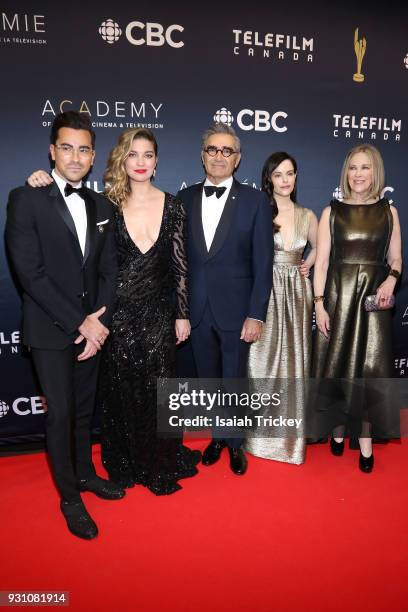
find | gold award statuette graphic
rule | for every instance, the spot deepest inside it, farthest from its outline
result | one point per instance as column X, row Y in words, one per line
column 359, row 49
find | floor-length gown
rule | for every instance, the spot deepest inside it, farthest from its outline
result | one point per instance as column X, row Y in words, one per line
column 354, row 365
column 151, row 294
column 280, row 361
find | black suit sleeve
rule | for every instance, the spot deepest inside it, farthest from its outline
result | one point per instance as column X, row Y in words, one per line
column 108, row 270
column 25, row 250
column 262, row 260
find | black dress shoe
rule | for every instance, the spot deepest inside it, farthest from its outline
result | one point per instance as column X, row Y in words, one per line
column 316, row 440
column 238, row 461
column 213, row 452
column 78, row 520
column 337, row 448
column 366, row 464
column 106, row 489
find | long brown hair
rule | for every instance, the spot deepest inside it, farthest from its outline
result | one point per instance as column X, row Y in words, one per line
column 117, row 184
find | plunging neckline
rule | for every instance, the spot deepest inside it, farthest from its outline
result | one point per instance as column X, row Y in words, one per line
column 144, row 253
column 294, row 233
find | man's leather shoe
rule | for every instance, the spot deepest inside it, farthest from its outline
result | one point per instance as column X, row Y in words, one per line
column 105, row 489
column 316, row 440
column 238, row 461
column 213, row 452
column 78, row 520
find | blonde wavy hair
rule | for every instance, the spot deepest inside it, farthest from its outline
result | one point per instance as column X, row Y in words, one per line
column 117, row 183
column 377, row 165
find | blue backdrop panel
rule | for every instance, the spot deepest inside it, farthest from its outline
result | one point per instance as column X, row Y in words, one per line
column 282, row 77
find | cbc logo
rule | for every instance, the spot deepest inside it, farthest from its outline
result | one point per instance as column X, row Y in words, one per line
column 24, row 405
column 4, row 408
column 258, row 120
column 139, row 33
column 223, row 116
column 110, row 31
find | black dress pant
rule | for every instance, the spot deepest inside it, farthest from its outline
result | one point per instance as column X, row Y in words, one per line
column 219, row 354
column 69, row 387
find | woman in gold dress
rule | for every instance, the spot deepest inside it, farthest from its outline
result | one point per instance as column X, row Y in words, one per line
column 280, row 360
column 358, row 255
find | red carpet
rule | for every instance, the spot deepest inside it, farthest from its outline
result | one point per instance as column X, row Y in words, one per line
column 322, row 536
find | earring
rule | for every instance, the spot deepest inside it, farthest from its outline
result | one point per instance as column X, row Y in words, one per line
column 154, row 172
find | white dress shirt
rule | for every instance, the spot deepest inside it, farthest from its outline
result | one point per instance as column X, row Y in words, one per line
column 211, row 209
column 76, row 207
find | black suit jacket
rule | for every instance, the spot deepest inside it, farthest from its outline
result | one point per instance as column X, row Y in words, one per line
column 235, row 275
column 60, row 285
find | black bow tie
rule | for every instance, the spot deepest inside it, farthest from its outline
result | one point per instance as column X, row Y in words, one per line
column 209, row 190
column 70, row 189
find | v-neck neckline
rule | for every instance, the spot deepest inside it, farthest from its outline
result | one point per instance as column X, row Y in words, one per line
column 294, row 233
column 144, row 253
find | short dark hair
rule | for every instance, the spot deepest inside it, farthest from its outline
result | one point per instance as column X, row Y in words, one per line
column 73, row 120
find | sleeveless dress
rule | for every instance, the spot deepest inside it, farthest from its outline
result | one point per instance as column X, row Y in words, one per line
column 280, row 360
column 151, row 294
column 359, row 349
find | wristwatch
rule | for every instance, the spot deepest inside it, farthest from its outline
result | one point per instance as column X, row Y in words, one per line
column 394, row 273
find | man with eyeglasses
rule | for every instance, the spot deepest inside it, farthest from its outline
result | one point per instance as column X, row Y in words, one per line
column 60, row 239
column 230, row 252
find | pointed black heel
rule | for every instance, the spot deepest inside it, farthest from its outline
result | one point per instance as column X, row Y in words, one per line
column 366, row 464
column 337, row 448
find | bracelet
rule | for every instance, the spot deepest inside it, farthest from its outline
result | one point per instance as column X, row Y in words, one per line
column 318, row 298
column 394, row 273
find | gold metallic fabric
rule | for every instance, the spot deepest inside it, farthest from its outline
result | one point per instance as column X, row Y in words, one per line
column 283, row 353
column 359, row 345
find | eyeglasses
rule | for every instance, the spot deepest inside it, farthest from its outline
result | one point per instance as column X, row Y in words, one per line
column 67, row 150
column 225, row 151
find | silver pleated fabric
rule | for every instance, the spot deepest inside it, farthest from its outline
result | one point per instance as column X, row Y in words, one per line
column 283, row 354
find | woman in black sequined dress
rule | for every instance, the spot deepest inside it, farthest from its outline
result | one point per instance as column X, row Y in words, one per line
column 151, row 316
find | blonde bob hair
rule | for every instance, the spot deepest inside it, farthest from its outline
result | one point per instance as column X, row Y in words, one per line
column 377, row 165
column 117, row 183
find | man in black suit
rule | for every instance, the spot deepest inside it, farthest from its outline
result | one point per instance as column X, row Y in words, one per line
column 230, row 254
column 60, row 239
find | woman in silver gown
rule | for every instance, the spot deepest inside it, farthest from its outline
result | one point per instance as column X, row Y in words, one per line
column 280, row 360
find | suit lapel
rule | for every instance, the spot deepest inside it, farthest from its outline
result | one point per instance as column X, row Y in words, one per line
column 226, row 220
column 91, row 223
column 197, row 222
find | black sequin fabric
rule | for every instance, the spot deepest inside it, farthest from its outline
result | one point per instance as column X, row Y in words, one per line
column 151, row 294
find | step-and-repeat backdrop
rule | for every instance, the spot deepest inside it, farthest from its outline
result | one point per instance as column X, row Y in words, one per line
column 307, row 79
